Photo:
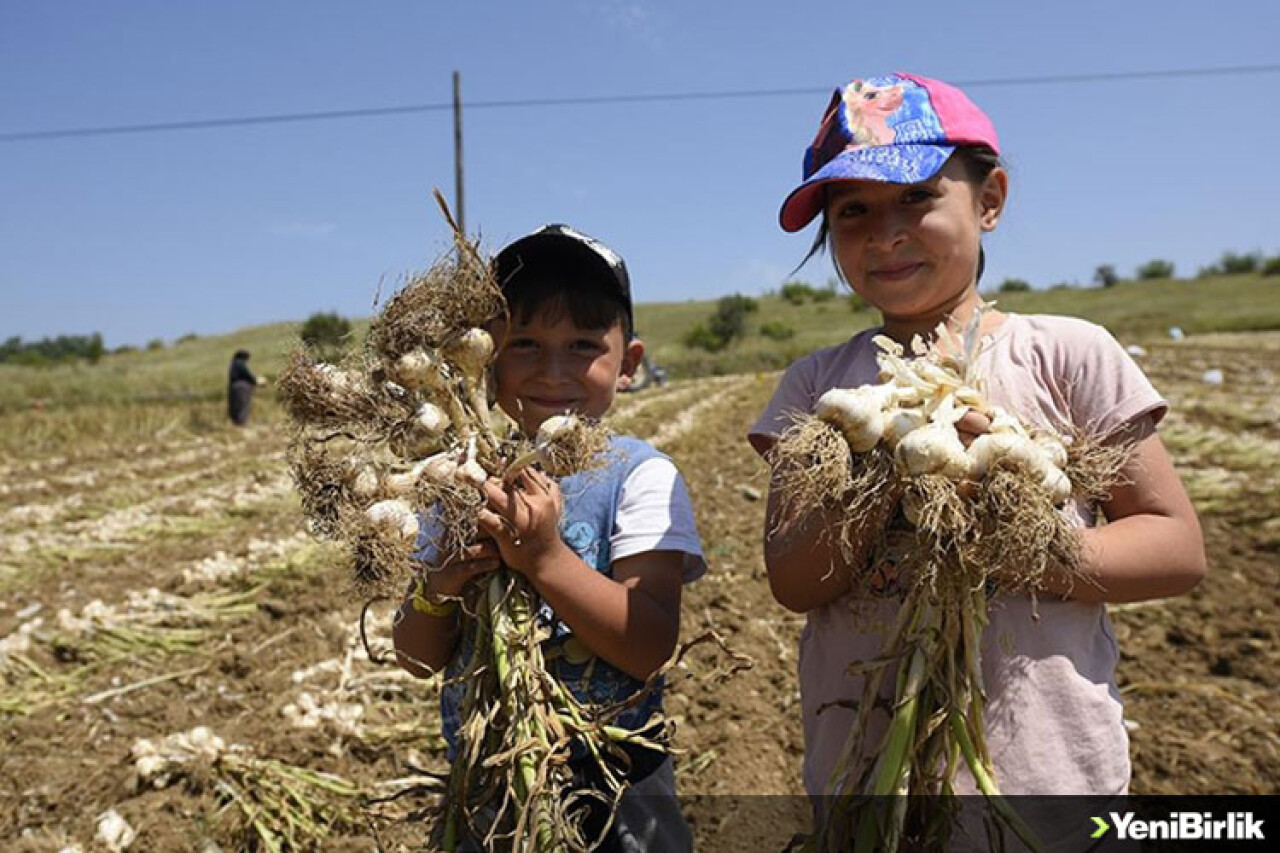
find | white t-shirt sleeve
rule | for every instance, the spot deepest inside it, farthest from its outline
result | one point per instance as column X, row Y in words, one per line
column 655, row 514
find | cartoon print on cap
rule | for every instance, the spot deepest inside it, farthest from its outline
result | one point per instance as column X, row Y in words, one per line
column 867, row 110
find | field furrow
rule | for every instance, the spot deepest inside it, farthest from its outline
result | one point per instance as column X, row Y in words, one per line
column 253, row 630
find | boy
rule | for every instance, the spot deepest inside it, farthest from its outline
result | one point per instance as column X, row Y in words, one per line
column 608, row 551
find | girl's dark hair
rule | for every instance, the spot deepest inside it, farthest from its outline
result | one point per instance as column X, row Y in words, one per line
column 979, row 161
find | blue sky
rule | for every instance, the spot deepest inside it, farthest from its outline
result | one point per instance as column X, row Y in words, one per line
column 156, row 235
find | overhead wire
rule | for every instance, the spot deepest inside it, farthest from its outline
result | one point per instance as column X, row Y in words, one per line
column 593, row 100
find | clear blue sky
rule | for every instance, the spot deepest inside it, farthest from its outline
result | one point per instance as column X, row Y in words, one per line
column 156, row 235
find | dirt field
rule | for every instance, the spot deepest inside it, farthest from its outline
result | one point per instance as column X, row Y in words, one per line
column 253, row 616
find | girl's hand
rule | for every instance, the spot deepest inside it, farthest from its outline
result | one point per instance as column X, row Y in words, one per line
column 968, row 428
column 476, row 559
column 523, row 517
column 972, row 425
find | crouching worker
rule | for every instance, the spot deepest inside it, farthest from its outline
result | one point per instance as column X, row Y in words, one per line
column 607, row 550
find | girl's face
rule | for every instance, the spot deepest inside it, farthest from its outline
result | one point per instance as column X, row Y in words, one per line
column 911, row 250
column 548, row 367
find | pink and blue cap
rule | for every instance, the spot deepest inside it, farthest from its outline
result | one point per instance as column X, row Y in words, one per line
column 900, row 129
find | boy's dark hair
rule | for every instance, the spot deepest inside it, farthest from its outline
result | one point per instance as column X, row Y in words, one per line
column 979, row 161
column 565, row 273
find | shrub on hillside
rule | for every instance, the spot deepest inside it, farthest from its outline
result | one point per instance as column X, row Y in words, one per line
column 326, row 333
column 1154, row 269
column 53, row 350
column 777, row 331
column 1105, row 276
column 155, row 345
column 1271, row 266
column 725, row 325
column 701, row 337
column 796, row 292
column 1014, row 285
column 1233, row 264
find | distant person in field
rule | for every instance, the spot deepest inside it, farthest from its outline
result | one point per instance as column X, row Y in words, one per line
column 241, row 383
column 903, row 195
column 608, row 550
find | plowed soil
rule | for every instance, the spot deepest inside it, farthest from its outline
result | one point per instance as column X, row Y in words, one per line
column 200, row 518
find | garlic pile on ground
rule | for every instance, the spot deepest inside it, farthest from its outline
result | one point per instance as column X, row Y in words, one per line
column 155, row 761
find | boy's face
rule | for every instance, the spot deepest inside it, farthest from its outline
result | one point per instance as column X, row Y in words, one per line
column 549, row 367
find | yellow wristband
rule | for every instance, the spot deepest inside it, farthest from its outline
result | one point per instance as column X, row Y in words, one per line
column 423, row 603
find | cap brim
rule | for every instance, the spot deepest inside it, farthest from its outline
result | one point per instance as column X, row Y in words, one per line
column 894, row 164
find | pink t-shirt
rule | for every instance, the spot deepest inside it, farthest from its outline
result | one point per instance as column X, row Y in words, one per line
column 1053, row 715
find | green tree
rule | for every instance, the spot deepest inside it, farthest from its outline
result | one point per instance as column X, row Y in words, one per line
column 724, row 326
column 1014, row 285
column 796, row 292
column 1105, row 276
column 1237, row 264
column 1155, row 268
column 326, row 333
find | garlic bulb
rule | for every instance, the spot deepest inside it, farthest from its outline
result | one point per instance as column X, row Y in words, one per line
column 899, row 422
column 364, row 483
column 856, row 412
column 419, row 369
column 1057, row 484
column 1052, row 448
column 471, row 473
column 404, row 482
column 394, row 516
column 430, row 420
column 933, row 449
column 989, row 447
column 440, row 468
column 554, row 427
column 471, row 352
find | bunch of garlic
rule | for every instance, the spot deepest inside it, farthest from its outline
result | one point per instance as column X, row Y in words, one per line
column 157, row 762
column 913, row 413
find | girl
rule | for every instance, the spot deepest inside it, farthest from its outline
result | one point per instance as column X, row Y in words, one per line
column 905, row 175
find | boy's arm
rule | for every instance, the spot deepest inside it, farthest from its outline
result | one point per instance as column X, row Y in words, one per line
column 1151, row 546
column 631, row 620
column 425, row 634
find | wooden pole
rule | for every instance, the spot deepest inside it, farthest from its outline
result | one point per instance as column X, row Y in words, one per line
column 459, row 208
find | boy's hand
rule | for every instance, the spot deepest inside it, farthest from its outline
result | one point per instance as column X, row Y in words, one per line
column 476, row 559
column 523, row 517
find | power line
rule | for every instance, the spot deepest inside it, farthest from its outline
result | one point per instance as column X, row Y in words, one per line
column 667, row 97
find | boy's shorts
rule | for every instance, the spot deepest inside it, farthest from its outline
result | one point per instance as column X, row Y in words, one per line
column 649, row 816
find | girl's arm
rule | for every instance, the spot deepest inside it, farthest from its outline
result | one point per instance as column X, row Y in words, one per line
column 425, row 631
column 805, row 571
column 632, row 620
column 1151, row 546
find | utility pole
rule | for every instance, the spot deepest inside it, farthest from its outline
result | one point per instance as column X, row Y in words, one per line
column 459, row 208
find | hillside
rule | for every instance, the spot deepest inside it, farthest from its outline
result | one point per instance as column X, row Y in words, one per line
column 195, row 369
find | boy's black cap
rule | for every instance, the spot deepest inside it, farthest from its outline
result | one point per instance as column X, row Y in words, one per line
column 556, row 246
